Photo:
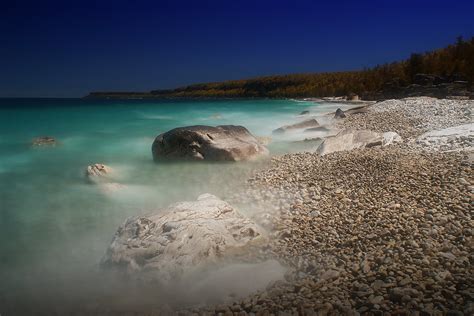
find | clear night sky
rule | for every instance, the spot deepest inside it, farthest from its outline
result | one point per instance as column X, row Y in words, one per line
column 68, row 48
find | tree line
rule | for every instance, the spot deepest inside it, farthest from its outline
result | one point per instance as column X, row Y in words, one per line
column 452, row 63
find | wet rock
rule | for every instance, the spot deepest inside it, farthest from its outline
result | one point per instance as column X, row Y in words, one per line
column 317, row 129
column 167, row 243
column 353, row 139
column 225, row 142
column 265, row 141
column 44, row 141
column 339, row 114
column 311, row 123
column 98, row 172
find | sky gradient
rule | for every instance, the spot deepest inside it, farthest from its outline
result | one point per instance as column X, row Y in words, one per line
column 68, row 48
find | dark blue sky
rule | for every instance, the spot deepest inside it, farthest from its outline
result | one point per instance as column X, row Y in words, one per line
column 68, row 48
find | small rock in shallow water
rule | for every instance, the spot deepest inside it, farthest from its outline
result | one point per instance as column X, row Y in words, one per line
column 44, row 141
column 98, row 172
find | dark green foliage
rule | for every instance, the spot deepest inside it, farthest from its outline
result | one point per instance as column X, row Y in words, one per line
column 455, row 62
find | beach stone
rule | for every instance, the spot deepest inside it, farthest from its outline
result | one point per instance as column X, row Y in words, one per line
column 350, row 139
column 339, row 114
column 44, row 141
column 390, row 138
column 311, row 123
column 167, row 243
column 329, row 275
column 199, row 142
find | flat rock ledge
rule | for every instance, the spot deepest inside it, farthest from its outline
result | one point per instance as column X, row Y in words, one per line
column 168, row 243
column 199, row 142
column 310, row 123
column 455, row 138
column 352, row 139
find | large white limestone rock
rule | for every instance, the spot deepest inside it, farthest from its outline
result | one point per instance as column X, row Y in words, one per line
column 181, row 238
column 353, row 139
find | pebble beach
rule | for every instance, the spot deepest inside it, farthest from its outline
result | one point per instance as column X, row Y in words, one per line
column 372, row 231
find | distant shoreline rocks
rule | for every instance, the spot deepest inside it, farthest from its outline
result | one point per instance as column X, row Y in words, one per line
column 200, row 142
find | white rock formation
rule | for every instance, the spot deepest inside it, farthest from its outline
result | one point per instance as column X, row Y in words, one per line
column 310, row 123
column 185, row 236
column 459, row 137
column 389, row 138
column 352, row 139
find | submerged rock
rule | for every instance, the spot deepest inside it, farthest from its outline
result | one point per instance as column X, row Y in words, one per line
column 97, row 172
column 224, row 142
column 111, row 187
column 306, row 112
column 100, row 175
column 352, row 139
column 311, row 123
column 44, row 141
column 264, row 140
column 185, row 236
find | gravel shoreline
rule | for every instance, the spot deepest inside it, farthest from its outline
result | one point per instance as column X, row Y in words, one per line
column 377, row 231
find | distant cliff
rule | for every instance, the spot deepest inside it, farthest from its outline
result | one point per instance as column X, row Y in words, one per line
column 446, row 71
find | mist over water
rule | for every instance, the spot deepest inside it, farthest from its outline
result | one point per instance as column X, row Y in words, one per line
column 55, row 227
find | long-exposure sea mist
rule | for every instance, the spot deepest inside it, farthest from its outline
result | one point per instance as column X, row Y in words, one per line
column 55, row 226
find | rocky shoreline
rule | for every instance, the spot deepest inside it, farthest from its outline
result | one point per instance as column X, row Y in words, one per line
column 378, row 231
column 369, row 228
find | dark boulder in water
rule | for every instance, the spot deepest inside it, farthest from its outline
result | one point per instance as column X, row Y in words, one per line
column 304, row 112
column 199, row 142
column 339, row 114
column 43, row 141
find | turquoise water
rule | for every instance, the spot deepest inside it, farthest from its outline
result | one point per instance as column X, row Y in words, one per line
column 54, row 226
